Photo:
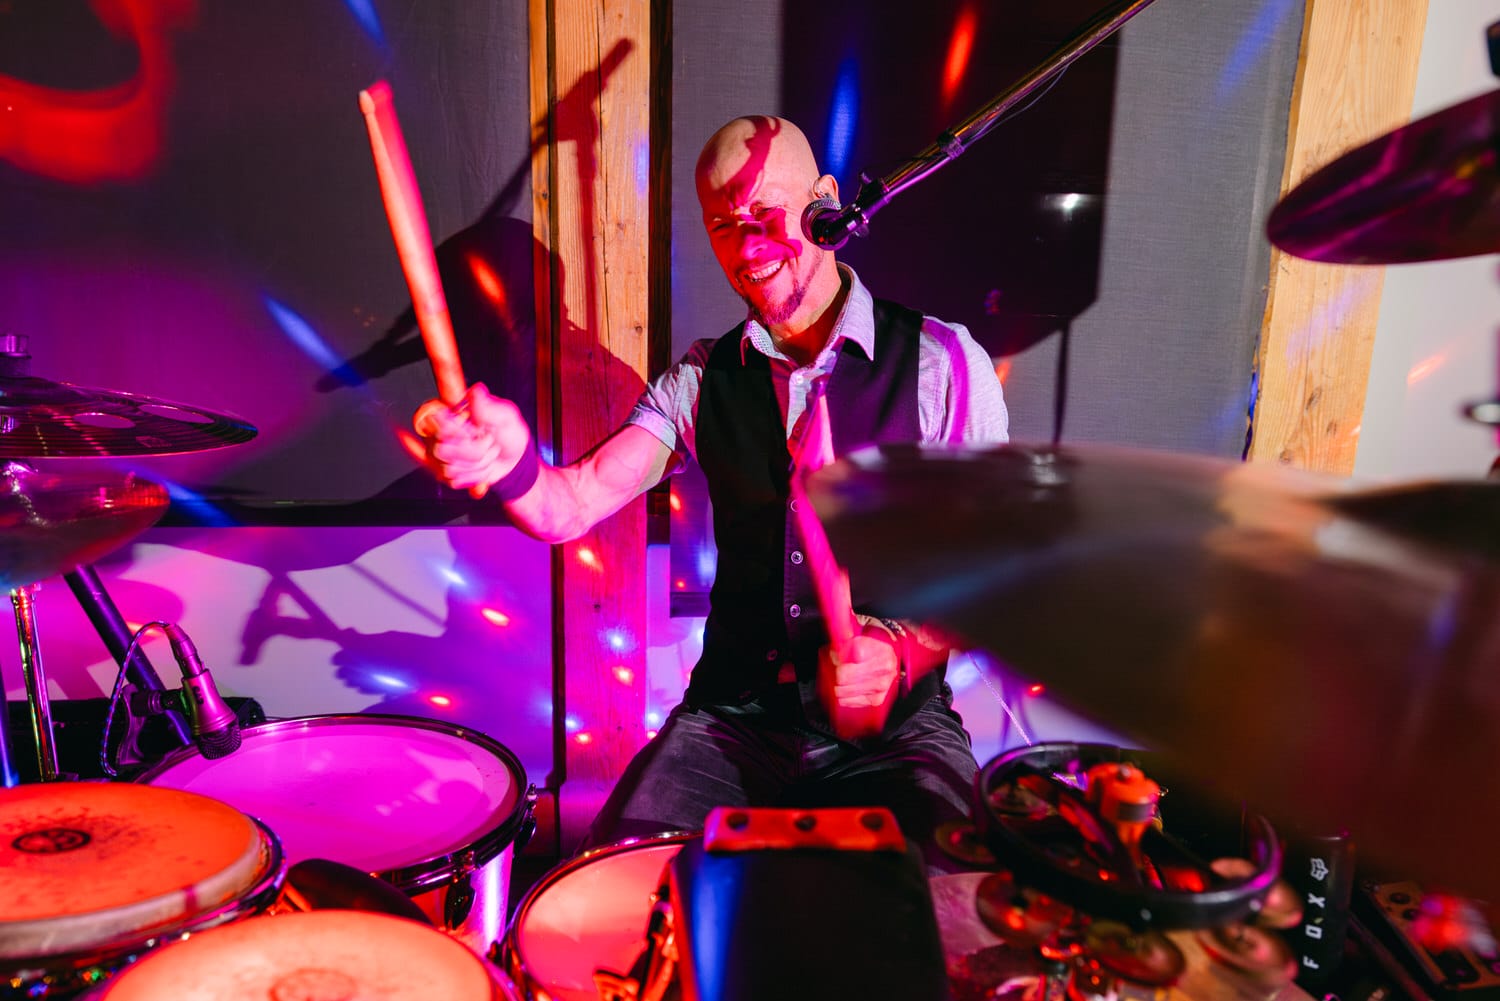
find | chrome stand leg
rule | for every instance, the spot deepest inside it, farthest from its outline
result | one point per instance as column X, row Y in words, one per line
column 9, row 778
column 36, row 683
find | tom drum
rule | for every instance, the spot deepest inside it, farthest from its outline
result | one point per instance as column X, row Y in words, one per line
column 94, row 875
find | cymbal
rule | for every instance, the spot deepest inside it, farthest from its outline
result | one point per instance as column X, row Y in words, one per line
column 1427, row 191
column 43, row 419
column 51, row 524
column 1229, row 615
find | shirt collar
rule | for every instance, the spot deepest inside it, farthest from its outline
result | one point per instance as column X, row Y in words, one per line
column 856, row 322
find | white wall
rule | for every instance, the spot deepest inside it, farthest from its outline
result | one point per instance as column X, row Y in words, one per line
column 1438, row 339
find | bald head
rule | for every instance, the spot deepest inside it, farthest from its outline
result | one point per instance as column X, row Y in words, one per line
column 752, row 151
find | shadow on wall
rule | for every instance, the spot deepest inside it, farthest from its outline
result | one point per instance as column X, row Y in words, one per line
column 443, row 624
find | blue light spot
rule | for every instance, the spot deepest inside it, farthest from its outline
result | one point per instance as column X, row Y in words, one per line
column 1252, row 45
column 571, row 723
column 708, row 562
column 452, row 576
column 619, row 640
column 364, row 13
column 301, row 333
column 390, row 682
column 842, row 117
column 198, row 507
column 642, row 151
column 653, row 719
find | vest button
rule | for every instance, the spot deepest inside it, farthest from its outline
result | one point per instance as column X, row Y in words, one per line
column 796, row 556
column 771, row 655
column 793, row 506
column 794, row 611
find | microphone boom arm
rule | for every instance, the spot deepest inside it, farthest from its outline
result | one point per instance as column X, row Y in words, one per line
column 833, row 228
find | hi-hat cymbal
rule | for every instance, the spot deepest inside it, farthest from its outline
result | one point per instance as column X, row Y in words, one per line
column 1427, row 191
column 42, row 419
column 51, row 524
column 1227, row 614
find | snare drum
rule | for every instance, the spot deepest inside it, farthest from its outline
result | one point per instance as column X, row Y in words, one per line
column 93, row 875
column 588, row 913
column 435, row 810
column 314, row 956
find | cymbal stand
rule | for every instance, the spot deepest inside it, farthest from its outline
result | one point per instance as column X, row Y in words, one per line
column 111, row 627
column 36, row 682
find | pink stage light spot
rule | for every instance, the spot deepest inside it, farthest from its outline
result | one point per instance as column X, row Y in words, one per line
column 495, row 618
column 1426, row 367
column 584, row 738
column 624, row 675
column 441, row 701
column 1036, row 690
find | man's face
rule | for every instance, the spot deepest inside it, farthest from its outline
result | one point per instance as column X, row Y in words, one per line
column 752, row 210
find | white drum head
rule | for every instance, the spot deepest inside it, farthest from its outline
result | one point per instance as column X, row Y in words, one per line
column 376, row 794
column 314, row 956
column 84, row 864
column 591, row 915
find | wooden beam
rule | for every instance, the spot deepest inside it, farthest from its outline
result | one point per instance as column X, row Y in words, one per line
column 1355, row 81
column 591, row 101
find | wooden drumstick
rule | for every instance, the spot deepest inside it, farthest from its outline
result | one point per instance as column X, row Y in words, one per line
column 403, row 207
column 830, row 581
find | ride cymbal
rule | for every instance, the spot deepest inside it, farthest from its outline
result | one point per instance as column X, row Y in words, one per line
column 1427, row 191
column 42, row 419
column 1230, row 615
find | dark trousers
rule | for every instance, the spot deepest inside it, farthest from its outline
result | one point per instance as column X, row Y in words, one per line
column 751, row 755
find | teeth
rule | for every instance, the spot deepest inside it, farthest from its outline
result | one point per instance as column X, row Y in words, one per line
column 763, row 273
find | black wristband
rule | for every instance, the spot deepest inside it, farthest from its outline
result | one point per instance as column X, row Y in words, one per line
column 522, row 475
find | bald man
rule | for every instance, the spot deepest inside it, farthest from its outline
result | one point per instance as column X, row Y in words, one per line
column 752, row 729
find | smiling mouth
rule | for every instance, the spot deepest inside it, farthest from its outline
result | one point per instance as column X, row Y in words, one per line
column 762, row 274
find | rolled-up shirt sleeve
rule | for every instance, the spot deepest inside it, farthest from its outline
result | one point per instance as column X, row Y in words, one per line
column 668, row 406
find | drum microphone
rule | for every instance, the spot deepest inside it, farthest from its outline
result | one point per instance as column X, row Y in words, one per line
column 215, row 727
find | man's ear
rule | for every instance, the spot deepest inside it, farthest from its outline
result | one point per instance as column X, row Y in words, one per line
column 827, row 186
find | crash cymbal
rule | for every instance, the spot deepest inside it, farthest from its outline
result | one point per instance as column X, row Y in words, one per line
column 1427, row 191
column 1461, row 516
column 51, row 524
column 42, row 419
column 1226, row 614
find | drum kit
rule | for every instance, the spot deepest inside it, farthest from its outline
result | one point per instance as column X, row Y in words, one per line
column 1320, row 651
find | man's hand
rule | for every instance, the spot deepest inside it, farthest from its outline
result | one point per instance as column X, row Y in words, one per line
column 473, row 445
column 857, row 682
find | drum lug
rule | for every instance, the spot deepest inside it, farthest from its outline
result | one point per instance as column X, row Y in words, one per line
column 528, row 820
column 458, row 901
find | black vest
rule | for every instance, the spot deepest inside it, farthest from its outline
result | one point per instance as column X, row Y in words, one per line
column 763, row 608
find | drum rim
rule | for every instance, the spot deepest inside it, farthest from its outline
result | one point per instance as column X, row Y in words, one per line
column 63, row 969
column 433, row 870
column 510, row 945
column 496, row 978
